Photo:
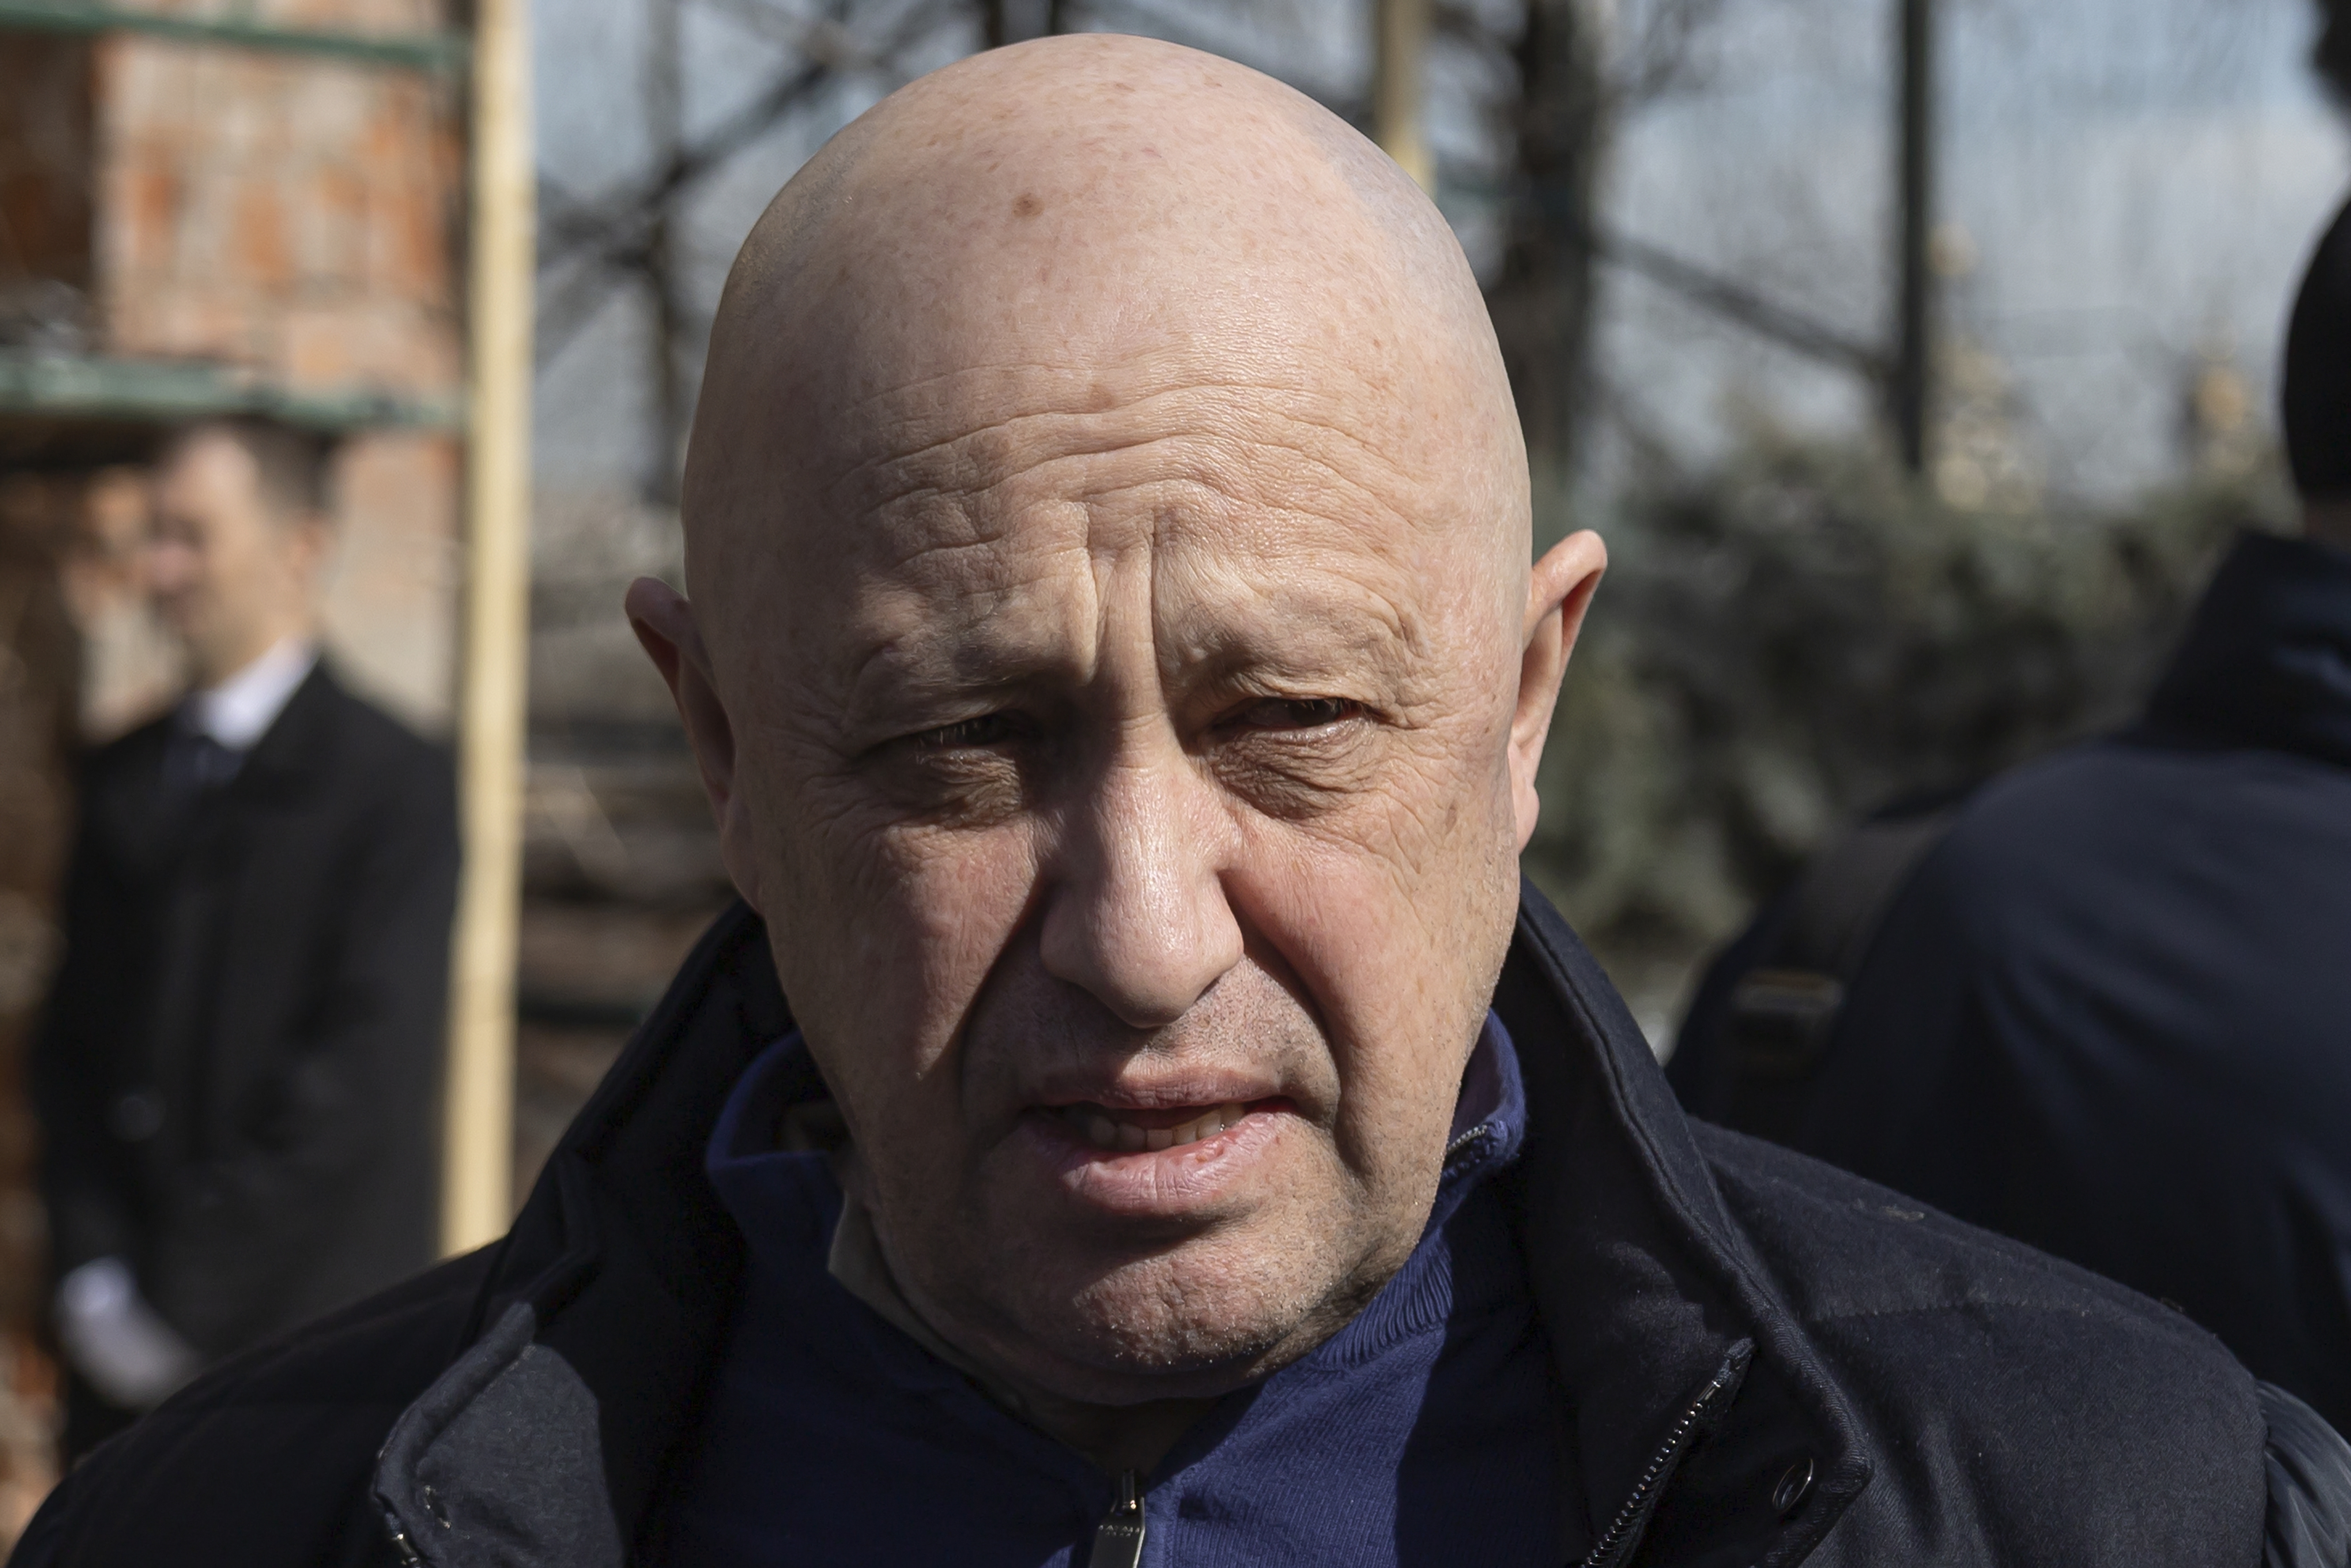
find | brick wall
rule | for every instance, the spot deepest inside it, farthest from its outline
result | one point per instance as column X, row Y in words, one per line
column 44, row 160
column 302, row 216
column 281, row 211
column 38, row 675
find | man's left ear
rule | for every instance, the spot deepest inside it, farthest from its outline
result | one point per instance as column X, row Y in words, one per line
column 1558, row 594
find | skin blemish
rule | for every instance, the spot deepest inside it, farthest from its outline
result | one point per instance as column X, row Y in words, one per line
column 1026, row 205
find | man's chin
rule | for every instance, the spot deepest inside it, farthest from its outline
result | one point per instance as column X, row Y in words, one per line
column 1120, row 1360
column 1192, row 1321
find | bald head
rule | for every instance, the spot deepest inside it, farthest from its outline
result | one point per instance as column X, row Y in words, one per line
column 1097, row 218
column 1117, row 671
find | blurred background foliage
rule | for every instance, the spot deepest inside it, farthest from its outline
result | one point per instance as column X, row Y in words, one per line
column 1806, row 632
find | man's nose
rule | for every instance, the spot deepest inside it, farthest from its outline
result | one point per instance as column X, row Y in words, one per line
column 1135, row 910
column 168, row 567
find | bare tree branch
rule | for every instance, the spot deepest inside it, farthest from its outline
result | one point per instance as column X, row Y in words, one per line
column 1663, row 57
column 1745, row 307
column 566, row 310
column 2332, row 54
column 614, row 223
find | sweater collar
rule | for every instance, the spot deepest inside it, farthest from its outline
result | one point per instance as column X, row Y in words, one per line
column 2267, row 659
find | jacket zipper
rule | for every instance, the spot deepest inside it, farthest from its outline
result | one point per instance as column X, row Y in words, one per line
column 1118, row 1539
column 409, row 1556
column 1483, row 1130
column 1624, row 1533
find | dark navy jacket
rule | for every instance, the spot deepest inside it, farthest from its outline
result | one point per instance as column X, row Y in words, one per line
column 1761, row 1361
column 2110, row 1015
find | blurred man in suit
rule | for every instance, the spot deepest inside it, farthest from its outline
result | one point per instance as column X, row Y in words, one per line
column 239, row 1068
column 2107, row 1013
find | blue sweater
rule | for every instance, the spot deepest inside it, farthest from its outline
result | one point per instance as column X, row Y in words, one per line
column 1428, row 1430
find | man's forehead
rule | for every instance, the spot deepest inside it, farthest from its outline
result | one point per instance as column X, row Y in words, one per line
column 1204, row 288
column 934, row 464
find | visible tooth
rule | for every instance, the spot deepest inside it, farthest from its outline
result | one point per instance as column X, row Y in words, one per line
column 1161, row 1137
column 1192, row 1132
column 1130, row 1137
column 1102, row 1132
column 1233, row 1114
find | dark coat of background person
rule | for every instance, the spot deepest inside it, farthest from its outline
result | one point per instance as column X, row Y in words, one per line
column 238, row 1074
column 1762, row 1360
column 2110, row 1013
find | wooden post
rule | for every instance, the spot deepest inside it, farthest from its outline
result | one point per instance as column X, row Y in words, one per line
column 477, row 1182
column 1397, row 88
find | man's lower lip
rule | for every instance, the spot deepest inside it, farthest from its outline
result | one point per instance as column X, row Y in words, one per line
column 1153, row 1131
column 1155, row 1181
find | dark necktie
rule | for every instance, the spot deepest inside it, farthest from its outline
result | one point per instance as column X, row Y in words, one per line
column 194, row 764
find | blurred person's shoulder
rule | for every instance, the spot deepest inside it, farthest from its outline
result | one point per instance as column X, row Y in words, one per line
column 267, row 1458
column 371, row 742
column 2142, row 826
column 1844, row 1250
column 2087, row 797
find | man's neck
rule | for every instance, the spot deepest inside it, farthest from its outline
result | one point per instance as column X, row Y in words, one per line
column 1114, row 1437
column 213, row 668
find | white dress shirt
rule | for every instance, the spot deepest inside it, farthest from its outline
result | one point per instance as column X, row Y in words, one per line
column 240, row 710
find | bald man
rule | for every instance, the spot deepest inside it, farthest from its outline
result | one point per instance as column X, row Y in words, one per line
column 1136, row 1114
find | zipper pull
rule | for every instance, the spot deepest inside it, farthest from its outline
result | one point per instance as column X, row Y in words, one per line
column 1118, row 1539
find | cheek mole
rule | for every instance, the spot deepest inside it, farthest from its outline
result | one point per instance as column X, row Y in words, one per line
column 1026, row 205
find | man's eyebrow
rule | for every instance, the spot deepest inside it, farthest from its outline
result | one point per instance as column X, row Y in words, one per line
column 1318, row 613
column 946, row 666
column 937, row 667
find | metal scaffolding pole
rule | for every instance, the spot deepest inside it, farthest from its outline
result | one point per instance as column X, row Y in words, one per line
column 1913, row 388
column 1397, row 88
column 477, row 1183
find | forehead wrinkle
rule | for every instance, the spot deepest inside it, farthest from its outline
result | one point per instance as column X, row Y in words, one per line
column 932, row 523
column 1219, row 480
column 973, row 453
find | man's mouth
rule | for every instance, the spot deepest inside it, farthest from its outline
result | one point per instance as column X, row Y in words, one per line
column 1133, row 1131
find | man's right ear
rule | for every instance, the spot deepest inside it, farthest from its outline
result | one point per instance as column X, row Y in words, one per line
column 663, row 622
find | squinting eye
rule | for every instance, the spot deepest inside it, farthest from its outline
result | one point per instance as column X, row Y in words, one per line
column 989, row 730
column 1297, row 713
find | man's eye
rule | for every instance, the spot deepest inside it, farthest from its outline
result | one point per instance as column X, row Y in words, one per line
column 989, row 730
column 1296, row 713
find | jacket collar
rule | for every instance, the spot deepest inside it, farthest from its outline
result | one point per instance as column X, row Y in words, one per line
column 295, row 747
column 151, row 827
column 2267, row 659
column 1682, row 1369
column 1648, row 1291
